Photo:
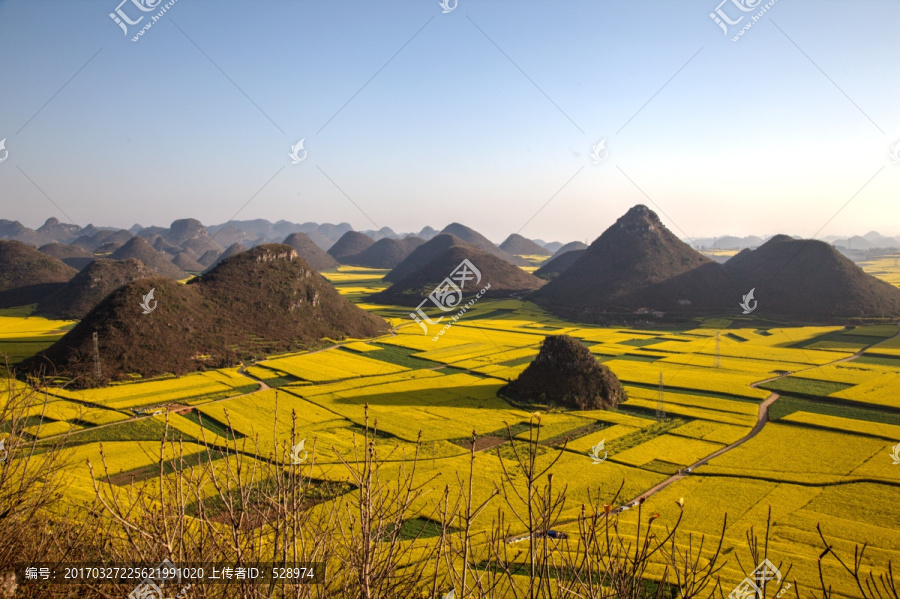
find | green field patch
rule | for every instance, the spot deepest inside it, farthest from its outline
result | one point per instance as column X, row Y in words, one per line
column 805, row 387
column 419, row 528
column 211, row 424
column 310, row 492
column 876, row 359
column 636, row 357
column 688, row 391
column 17, row 350
column 168, row 467
column 642, row 341
column 876, row 330
column 645, row 434
column 400, row 356
column 140, row 429
column 499, row 313
column 840, row 339
column 735, row 337
column 662, row 467
column 788, row 404
column 519, row 361
column 576, row 433
column 272, row 376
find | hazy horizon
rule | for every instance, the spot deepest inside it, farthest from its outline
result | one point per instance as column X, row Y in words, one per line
column 485, row 115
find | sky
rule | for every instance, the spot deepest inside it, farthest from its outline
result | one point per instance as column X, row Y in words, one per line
column 486, row 114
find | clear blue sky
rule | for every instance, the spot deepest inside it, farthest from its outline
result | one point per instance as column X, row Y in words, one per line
column 759, row 136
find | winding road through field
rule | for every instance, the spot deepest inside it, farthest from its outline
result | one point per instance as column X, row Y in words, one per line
column 760, row 422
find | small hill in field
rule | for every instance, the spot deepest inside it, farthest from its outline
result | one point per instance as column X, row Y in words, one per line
column 517, row 245
column 138, row 248
column 85, row 290
column 74, row 255
column 569, row 247
column 475, row 238
column 263, row 301
column 351, row 243
column 614, row 273
column 27, row 274
column 554, row 266
column 438, row 262
column 385, row 253
column 565, row 373
column 309, row 251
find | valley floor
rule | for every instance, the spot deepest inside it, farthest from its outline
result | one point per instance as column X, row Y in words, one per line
column 817, row 453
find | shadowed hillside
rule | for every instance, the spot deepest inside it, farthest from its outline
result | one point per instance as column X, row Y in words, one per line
column 75, row 299
column 27, row 274
column 262, row 301
column 309, row 251
column 351, row 243
column 505, row 280
column 385, row 253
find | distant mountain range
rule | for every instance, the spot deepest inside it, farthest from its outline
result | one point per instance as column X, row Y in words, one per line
column 870, row 241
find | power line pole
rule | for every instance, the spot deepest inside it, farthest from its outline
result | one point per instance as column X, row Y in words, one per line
column 660, row 406
column 97, row 373
column 717, row 362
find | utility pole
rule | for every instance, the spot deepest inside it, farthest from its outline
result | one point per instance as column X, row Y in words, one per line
column 97, row 373
column 717, row 362
column 660, row 406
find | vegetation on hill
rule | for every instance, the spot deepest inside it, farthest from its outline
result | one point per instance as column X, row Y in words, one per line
column 554, row 266
column 137, row 247
column 351, row 243
column 565, row 373
column 75, row 299
column 309, row 251
column 385, row 253
column 570, row 247
column 517, row 245
column 504, row 278
column 262, row 301
column 473, row 237
column 75, row 256
column 27, row 274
